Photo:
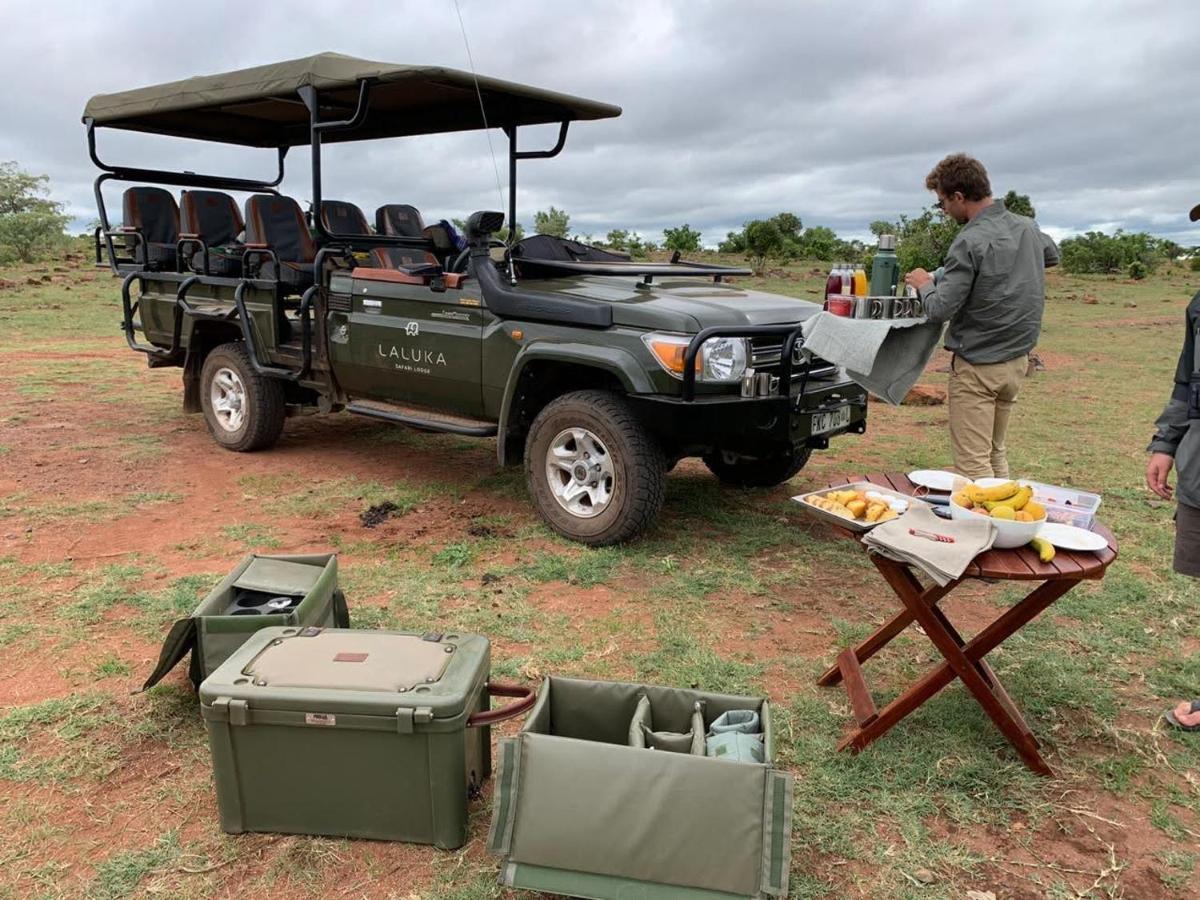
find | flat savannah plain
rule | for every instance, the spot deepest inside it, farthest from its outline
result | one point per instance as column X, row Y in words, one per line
column 117, row 512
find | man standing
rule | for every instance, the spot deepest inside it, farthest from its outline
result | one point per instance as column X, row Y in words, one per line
column 1177, row 444
column 992, row 293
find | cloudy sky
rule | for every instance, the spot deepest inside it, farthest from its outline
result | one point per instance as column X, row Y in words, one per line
column 732, row 110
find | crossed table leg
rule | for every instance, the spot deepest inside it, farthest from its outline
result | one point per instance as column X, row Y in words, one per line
column 964, row 659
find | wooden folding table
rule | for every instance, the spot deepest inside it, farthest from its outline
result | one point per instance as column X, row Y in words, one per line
column 964, row 659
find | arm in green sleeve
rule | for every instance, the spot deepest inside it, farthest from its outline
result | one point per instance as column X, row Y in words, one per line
column 943, row 300
column 1170, row 428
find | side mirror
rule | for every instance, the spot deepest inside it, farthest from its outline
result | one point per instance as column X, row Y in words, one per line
column 481, row 226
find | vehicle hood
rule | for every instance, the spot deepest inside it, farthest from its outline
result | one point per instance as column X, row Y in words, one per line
column 680, row 304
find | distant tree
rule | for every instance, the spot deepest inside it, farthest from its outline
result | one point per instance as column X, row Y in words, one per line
column 1099, row 253
column 685, row 239
column 1019, row 204
column 879, row 227
column 617, row 239
column 789, row 225
column 30, row 224
column 922, row 242
column 553, row 221
column 763, row 239
column 735, row 242
column 819, row 242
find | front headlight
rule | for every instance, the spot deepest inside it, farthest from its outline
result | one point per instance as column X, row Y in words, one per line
column 724, row 359
column 720, row 360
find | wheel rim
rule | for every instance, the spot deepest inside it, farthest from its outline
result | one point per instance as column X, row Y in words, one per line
column 580, row 473
column 228, row 396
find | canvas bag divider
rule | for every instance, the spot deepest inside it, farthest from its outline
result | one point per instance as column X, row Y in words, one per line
column 653, row 822
column 212, row 637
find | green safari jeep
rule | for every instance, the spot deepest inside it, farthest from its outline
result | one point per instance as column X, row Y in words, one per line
column 596, row 371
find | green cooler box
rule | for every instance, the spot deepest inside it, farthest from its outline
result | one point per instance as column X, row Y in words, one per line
column 351, row 733
column 262, row 591
column 616, row 790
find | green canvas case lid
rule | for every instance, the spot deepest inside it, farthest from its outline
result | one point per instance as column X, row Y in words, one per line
column 278, row 576
column 353, row 671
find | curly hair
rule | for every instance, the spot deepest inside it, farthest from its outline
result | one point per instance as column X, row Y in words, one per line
column 961, row 173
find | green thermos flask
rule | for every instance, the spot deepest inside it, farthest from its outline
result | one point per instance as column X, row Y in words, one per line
column 885, row 268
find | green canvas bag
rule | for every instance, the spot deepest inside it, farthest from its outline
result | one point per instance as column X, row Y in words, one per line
column 582, row 809
column 218, row 627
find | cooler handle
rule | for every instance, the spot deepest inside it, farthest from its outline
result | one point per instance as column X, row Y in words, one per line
column 528, row 697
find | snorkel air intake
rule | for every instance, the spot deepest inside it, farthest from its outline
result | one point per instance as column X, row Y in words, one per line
column 510, row 302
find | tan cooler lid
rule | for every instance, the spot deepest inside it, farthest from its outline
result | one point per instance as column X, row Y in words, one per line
column 350, row 661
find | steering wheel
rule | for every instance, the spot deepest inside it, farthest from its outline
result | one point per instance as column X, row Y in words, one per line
column 460, row 261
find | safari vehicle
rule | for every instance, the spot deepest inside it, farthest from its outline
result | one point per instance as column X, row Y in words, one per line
column 598, row 371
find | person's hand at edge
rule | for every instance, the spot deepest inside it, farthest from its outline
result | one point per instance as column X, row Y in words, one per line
column 917, row 278
column 1157, row 470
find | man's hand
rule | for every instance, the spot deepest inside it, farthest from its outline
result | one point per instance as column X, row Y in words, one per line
column 1157, row 471
column 917, row 278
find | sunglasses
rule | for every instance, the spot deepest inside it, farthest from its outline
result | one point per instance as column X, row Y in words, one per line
column 941, row 204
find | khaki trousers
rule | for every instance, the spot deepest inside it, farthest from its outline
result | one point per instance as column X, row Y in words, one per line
column 981, row 401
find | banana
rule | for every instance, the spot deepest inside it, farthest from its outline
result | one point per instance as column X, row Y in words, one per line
column 979, row 495
column 1045, row 549
column 1022, row 497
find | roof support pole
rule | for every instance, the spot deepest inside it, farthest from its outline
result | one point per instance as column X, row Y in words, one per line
column 514, row 155
column 511, row 131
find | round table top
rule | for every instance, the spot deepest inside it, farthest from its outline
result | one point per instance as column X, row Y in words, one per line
column 1021, row 564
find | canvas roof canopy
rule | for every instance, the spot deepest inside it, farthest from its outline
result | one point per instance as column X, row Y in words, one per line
column 260, row 107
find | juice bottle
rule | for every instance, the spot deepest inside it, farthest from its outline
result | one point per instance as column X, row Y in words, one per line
column 833, row 284
column 847, row 279
column 860, row 281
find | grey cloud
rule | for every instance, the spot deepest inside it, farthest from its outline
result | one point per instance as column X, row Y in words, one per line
column 732, row 110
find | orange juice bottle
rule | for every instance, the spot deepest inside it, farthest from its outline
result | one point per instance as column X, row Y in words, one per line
column 860, row 281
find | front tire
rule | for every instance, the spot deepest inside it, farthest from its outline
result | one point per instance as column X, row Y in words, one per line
column 594, row 472
column 747, row 471
column 243, row 410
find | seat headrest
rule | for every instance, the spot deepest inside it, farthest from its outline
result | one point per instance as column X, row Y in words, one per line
column 213, row 215
column 341, row 217
column 153, row 211
column 399, row 219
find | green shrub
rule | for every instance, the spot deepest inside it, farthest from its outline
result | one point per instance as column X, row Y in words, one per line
column 1097, row 253
column 30, row 224
column 1137, row 270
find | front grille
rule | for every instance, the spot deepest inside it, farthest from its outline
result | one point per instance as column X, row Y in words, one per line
column 766, row 355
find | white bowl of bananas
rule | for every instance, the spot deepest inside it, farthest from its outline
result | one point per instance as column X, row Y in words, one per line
column 1009, row 505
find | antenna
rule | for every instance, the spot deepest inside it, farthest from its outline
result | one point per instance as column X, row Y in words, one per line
column 482, row 111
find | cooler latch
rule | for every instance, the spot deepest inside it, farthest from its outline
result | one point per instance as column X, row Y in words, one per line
column 407, row 717
column 235, row 712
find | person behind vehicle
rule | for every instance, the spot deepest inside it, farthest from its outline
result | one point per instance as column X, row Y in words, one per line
column 992, row 293
column 1176, row 444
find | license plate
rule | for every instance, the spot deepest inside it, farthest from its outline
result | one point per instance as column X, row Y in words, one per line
column 830, row 421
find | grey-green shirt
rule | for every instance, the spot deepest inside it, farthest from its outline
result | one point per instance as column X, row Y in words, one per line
column 993, row 289
column 1175, row 434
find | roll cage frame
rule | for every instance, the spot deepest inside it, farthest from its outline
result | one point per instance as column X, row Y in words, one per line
column 105, row 234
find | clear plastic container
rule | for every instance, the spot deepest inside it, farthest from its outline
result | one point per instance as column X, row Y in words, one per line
column 1069, row 506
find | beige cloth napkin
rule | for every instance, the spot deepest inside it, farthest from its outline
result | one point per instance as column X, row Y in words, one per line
column 943, row 562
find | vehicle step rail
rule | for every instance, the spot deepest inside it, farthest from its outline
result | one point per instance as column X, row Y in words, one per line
column 417, row 417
